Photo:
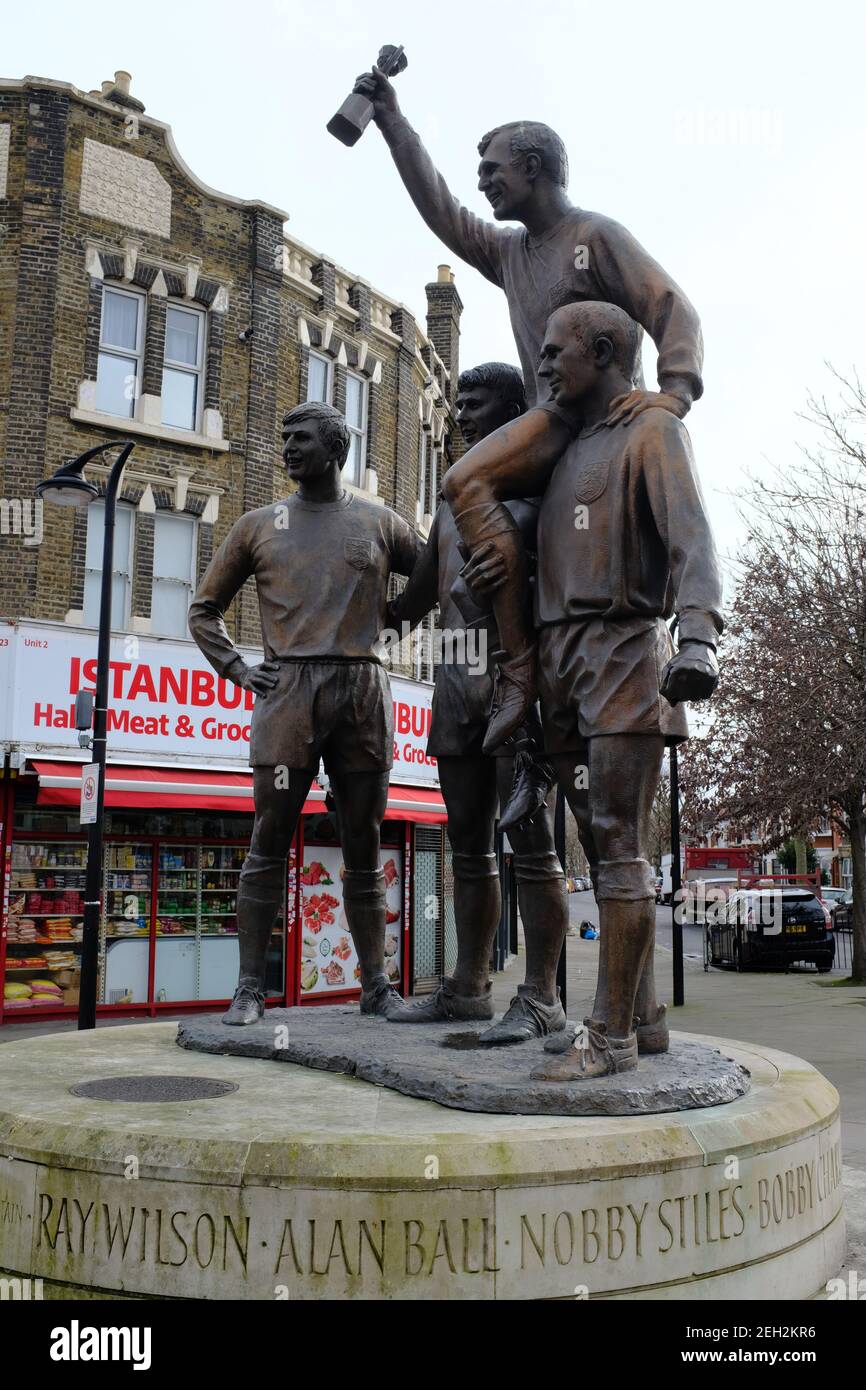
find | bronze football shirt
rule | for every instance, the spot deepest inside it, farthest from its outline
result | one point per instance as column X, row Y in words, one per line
column 584, row 257
column 623, row 531
column 321, row 573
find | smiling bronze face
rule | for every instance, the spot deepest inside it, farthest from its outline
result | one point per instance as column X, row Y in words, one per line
column 504, row 184
column 304, row 451
column 566, row 365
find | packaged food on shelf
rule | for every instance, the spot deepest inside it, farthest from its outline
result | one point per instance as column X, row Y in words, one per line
column 21, row 929
column 60, row 959
column 14, row 990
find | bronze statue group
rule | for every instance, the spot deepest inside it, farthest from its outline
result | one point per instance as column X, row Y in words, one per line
column 570, row 533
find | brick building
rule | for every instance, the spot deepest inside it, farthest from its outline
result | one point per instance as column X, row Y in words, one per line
column 136, row 302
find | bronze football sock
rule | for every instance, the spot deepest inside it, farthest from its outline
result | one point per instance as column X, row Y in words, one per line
column 364, row 901
column 477, row 910
column 544, row 909
column 627, row 929
column 261, row 889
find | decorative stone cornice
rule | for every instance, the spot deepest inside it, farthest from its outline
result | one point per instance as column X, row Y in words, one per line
column 157, row 276
column 177, row 486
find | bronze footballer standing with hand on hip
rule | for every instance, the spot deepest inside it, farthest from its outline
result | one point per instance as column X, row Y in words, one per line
column 321, row 559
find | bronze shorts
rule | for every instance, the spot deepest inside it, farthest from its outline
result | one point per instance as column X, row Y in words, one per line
column 461, row 712
column 598, row 677
column 461, row 705
column 341, row 711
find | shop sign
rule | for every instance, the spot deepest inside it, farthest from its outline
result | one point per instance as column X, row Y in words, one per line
column 165, row 701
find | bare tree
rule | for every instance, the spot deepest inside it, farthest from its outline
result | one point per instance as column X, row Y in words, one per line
column 660, row 820
column 575, row 859
column 788, row 734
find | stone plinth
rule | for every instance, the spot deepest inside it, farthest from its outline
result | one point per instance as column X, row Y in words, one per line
column 304, row 1184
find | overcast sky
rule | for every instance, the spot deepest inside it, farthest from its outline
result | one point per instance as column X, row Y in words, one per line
column 728, row 138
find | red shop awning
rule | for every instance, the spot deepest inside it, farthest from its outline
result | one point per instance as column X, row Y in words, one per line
column 183, row 788
column 416, row 804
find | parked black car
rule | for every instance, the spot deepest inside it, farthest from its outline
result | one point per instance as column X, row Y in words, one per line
column 843, row 913
column 772, row 928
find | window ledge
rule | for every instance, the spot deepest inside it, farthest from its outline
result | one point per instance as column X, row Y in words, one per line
column 149, row 429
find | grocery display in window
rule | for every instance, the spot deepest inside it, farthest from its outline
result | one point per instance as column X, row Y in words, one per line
column 329, row 961
column 44, row 924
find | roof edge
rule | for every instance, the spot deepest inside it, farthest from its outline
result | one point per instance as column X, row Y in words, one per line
column 122, row 113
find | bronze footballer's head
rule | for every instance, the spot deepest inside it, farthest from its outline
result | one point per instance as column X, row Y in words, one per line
column 488, row 396
column 315, row 440
column 584, row 341
column 517, row 159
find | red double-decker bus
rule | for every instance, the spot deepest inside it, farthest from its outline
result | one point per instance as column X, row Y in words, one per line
column 710, row 875
column 718, row 867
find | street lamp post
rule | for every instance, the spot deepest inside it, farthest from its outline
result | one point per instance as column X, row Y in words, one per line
column 559, row 844
column 69, row 488
column 676, row 881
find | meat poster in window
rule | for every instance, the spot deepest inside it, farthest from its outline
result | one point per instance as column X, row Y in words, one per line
column 329, row 961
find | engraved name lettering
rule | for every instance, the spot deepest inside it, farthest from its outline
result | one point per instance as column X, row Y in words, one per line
column 159, row 1236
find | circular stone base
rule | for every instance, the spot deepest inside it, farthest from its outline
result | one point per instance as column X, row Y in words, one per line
column 303, row 1184
column 444, row 1062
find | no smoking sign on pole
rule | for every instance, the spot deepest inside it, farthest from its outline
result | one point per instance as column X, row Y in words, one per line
column 89, row 789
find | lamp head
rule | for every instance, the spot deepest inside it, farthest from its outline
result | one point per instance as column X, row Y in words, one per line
column 67, row 490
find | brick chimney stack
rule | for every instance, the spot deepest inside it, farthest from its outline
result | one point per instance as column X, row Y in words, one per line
column 444, row 307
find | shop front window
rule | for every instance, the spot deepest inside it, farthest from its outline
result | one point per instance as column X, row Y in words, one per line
column 170, row 909
column 44, row 925
column 329, row 961
column 428, row 962
column 125, row 929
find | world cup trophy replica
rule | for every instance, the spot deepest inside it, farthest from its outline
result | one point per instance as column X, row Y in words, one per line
column 356, row 113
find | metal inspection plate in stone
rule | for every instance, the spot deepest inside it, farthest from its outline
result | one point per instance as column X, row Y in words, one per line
column 153, row 1088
